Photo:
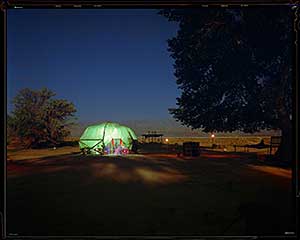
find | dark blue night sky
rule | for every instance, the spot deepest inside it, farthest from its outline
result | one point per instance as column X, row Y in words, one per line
column 112, row 64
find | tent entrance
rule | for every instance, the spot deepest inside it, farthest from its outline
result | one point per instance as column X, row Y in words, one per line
column 115, row 146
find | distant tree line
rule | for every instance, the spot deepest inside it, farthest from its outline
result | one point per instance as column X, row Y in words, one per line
column 38, row 119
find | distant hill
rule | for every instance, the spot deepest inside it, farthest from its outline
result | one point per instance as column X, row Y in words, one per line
column 168, row 127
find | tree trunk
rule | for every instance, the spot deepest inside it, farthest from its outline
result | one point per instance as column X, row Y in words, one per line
column 29, row 142
column 285, row 150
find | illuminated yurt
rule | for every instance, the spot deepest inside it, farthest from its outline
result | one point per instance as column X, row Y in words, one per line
column 108, row 138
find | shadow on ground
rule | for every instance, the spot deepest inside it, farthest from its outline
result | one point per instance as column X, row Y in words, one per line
column 150, row 194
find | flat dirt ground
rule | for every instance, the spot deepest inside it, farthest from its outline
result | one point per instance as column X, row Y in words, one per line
column 61, row 192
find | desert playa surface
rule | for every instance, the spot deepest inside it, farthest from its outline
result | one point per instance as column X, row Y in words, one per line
column 217, row 193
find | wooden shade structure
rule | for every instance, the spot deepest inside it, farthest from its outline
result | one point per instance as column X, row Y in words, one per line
column 152, row 136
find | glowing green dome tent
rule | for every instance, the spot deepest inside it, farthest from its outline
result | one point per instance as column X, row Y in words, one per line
column 107, row 137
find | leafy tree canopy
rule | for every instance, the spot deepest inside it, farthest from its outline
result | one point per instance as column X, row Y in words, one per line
column 38, row 118
column 233, row 67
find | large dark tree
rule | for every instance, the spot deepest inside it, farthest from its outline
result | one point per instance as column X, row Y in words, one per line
column 38, row 118
column 233, row 67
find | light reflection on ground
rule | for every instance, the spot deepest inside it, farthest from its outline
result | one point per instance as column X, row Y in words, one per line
column 144, row 174
column 272, row 170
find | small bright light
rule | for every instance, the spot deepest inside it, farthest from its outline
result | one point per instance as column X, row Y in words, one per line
column 213, row 135
column 167, row 140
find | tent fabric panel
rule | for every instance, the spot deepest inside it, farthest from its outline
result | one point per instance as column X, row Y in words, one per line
column 132, row 133
column 92, row 132
column 111, row 132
